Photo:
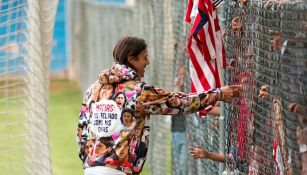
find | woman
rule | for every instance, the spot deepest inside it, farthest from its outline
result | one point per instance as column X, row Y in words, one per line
column 127, row 118
column 131, row 57
column 120, row 99
column 106, row 92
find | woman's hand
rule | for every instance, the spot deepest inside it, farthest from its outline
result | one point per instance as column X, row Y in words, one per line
column 198, row 152
column 229, row 92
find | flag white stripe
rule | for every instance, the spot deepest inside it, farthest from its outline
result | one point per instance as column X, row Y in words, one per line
column 213, row 30
column 203, row 64
column 194, row 77
column 219, row 56
column 209, row 43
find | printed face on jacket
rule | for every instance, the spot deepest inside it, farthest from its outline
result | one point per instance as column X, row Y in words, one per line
column 101, row 149
column 127, row 118
column 120, row 99
column 174, row 102
column 106, row 92
column 122, row 151
column 113, row 79
column 138, row 131
column 104, row 146
column 89, row 146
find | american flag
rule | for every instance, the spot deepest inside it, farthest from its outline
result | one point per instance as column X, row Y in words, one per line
column 207, row 53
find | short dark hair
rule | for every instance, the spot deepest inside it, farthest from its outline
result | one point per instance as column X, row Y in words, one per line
column 126, row 110
column 118, row 93
column 113, row 86
column 107, row 141
column 128, row 46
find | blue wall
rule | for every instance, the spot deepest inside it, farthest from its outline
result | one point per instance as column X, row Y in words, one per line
column 13, row 21
column 59, row 61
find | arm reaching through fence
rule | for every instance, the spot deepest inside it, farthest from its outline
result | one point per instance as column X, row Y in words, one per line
column 155, row 100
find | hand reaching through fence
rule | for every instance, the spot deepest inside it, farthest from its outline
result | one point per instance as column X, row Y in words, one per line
column 263, row 92
column 200, row 152
column 229, row 92
column 236, row 24
column 276, row 42
column 226, row 94
column 231, row 67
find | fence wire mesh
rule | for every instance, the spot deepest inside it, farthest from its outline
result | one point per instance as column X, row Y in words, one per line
column 26, row 28
column 266, row 50
column 265, row 42
column 160, row 39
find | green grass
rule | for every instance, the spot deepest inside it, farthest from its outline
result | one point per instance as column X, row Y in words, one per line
column 64, row 105
column 13, row 135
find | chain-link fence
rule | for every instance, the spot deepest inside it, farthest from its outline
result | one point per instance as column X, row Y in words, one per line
column 266, row 47
column 251, row 123
column 26, row 28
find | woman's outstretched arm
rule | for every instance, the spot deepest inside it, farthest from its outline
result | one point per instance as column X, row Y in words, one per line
column 155, row 100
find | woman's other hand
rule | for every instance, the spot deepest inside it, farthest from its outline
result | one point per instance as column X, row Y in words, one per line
column 229, row 92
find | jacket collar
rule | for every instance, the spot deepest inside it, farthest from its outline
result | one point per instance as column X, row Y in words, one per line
column 117, row 74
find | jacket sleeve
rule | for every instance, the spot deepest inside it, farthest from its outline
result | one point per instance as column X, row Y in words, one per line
column 155, row 100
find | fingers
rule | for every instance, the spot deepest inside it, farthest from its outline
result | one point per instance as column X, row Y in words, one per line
column 231, row 66
column 236, row 86
column 191, row 148
column 293, row 107
column 229, row 92
column 237, row 90
column 236, row 23
column 194, row 155
column 194, row 151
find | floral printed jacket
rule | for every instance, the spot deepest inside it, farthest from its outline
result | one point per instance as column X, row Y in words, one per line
column 114, row 120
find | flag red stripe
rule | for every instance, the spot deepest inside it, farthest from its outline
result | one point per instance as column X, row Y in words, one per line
column 200, row 73
column 189, row 10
